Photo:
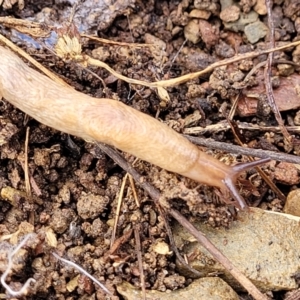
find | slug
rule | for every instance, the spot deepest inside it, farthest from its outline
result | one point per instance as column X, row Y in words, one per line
column 112, row 122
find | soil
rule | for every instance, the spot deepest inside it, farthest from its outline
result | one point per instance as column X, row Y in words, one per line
column 75, row 193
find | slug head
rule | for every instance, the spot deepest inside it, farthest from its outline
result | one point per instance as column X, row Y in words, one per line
column 229, row 181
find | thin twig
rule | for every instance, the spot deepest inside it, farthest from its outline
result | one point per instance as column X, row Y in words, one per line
column 26, row 171
column 26, row 175
column 120, row 198
column 187, row 77
column 224, row 126
column 212, row 144
column 176, row 55
column 116, row 43
column 73, row 10
column 268, row 74
column 95, row 75
column 138, row 250
column 118, row 242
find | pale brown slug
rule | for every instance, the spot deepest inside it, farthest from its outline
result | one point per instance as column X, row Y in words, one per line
column 113, row 123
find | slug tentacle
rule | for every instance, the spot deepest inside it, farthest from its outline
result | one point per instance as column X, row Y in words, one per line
column 229, row 180
column 248, row 165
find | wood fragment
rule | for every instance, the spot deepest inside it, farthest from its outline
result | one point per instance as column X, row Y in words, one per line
column 268, row 74
column 138, row 249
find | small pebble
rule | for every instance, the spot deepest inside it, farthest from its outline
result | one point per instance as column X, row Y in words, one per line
column 192, row 31
column 255, row 31
column 244, row 20
column 285, row 70
column 230, row 13
column 292, row 204
column 260, row 7
column 200, row 14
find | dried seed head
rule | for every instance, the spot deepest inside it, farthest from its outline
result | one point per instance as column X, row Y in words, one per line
column 68, row 45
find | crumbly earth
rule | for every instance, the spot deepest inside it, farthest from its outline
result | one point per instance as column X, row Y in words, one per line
column 75, row 193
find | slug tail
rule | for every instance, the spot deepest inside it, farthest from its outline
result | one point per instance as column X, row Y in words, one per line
column 229, row 181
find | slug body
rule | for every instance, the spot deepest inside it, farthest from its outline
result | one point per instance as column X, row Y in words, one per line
column 107, row 121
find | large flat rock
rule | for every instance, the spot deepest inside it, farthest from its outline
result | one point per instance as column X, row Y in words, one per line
column 264, row 245
column 211, row 288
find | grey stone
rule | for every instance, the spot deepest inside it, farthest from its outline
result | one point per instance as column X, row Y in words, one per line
column 226, row 3
column 263, row 245
column 211, row 288
column 244, row 20
column 255, row 31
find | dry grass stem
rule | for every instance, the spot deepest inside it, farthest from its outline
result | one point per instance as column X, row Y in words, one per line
column 136, row 199
column 120, row 198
